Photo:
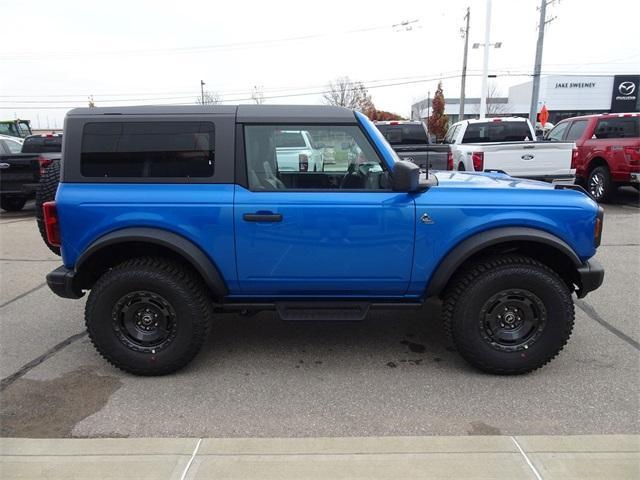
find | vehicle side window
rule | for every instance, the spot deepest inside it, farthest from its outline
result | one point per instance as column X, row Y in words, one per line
column 451, row 135
column 148, row 150
column 337, row 157
column 24, row 129
column 13, row 146
column 556, row 134
column 576, row 130
column 623, row 127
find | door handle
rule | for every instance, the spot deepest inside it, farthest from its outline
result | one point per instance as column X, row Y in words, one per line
column 262, row 217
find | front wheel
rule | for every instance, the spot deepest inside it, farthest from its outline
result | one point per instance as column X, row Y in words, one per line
column 600, row 185
column 508, row 315
column 148, row 316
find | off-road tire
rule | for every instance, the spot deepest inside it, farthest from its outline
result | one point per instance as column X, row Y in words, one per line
column 477, row 284
column 183, row 290
column 12, row 204
column 599, row 184
column 47, row 193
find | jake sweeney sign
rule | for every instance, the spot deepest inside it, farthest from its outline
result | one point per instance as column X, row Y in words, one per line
column 575, row 84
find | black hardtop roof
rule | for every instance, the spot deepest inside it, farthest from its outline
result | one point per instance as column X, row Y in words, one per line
column 243, row 113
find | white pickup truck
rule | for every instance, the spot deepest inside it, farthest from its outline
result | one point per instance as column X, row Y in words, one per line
column 508, row 145
column 296, row 152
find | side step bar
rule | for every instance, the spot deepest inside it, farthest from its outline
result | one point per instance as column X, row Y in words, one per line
column 315, row 310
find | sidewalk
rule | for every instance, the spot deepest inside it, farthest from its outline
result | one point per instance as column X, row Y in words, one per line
column 504, row 457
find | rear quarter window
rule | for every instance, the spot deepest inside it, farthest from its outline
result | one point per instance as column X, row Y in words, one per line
column 162, row 150
column 622, row 127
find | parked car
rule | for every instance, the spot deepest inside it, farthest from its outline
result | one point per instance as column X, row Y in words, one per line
column 21, row 171
column 10, row 145
column 170, row 215
column 412, row 143
column 15, row 128
column 296, row 152
column 508, row 145
column 608, row 150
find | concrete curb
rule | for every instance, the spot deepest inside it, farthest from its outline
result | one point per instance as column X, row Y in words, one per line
column 526, row 457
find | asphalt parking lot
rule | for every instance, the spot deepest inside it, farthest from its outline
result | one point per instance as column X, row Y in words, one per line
column 393, row 374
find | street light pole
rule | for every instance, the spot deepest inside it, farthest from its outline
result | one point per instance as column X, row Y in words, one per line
column 485, row 65
column 464, row 65
column 202, row 84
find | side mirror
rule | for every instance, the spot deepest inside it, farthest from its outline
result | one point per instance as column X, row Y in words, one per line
column 406, row 177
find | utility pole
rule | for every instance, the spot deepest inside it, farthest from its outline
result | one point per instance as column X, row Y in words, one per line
column 485, row 63
column 202, row 84
column 428, row 110
column 535, row 91
column 465, row 34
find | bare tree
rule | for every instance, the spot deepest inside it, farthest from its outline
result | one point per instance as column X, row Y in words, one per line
column 343, row 92
column 257, row 95
column 493, row 108
column 92, row 104
column 209, row 98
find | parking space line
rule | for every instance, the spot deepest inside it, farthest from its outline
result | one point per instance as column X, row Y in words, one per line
column 526, row 458
column 23, row 295
column 193, row 455
column 591, row 313
column 30, row 260
column 16, row 221
column 5, row 382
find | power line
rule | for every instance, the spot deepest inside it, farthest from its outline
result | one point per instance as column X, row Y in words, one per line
column 199, row 48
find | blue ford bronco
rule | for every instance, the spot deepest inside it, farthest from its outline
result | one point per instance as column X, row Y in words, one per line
column 169, row 215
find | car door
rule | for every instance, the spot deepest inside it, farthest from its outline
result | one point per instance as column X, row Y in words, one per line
column 339, row 232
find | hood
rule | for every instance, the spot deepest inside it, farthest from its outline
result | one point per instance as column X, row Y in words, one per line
column 453, row 179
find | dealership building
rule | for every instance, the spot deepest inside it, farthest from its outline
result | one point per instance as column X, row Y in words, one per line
column 564, row 95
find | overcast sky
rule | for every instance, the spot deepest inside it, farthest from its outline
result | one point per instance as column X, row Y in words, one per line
column 146, row 52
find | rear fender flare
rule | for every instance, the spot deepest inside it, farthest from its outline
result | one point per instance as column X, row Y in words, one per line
column 180, row 245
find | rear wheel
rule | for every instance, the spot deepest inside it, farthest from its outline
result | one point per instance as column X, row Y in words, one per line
column 600, row 185
column 508, row 315
column 47, row 193
column 12, row 204
column 148, row 316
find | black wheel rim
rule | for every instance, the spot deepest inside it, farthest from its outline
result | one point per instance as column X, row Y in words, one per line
column 512, row 320
column 144, row 321
column 596, row 185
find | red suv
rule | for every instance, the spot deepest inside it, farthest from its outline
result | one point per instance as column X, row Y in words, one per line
column 608, row 150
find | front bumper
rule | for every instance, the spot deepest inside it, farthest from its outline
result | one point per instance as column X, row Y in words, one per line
column 591, row 275
column 61, row 282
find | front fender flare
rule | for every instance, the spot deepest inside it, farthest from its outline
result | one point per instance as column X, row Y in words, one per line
column 474, row 244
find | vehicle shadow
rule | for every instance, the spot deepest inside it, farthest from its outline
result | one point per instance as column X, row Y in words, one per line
column 389, row 338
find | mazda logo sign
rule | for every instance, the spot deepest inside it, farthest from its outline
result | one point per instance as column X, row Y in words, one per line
column 626, row 88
